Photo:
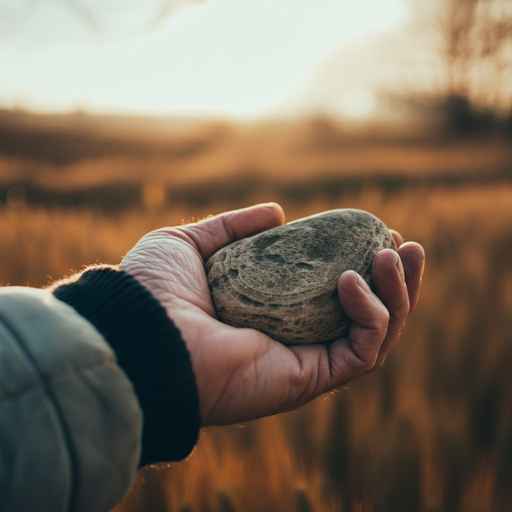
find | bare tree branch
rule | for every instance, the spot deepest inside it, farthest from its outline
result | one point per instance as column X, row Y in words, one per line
column 473, row 39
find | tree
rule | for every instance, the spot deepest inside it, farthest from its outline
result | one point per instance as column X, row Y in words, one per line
column 472, row 43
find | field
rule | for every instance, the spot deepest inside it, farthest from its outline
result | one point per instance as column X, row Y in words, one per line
column 432, row 430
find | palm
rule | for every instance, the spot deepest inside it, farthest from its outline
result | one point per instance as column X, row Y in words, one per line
column 183, row 291
column 241, row 373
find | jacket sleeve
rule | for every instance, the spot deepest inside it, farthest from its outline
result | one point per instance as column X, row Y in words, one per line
column 95, row 381
column 70, row 423
column 149, row 349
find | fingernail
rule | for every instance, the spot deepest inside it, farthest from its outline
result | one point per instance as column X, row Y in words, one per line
column 400, row 268
column 363, row 285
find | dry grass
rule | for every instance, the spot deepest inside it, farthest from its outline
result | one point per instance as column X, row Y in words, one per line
column 431, row 431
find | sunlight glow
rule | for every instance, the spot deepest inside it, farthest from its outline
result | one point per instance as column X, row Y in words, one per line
column 228, row 57
column 358, row 102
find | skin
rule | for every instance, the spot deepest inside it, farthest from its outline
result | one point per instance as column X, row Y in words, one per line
column 243, row 374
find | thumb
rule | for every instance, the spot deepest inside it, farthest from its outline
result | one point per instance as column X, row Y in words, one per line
column 212, row 234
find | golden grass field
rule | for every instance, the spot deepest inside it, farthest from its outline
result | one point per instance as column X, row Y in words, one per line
column 432, row 430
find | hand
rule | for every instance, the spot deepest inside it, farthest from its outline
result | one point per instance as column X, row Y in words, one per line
column 242, row 374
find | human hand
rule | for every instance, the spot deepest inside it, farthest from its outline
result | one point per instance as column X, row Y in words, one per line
column 242, row 374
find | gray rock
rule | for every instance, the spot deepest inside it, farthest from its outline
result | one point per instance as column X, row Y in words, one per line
column 283, row 281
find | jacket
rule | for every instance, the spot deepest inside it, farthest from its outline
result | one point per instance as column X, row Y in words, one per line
column 95, row 381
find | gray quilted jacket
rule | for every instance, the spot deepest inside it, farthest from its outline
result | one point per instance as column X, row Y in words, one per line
column 71, row 416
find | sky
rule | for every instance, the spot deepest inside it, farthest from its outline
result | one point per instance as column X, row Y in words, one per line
column 232, row 58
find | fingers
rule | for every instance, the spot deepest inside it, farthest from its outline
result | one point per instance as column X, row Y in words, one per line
column 326, row 367
column 397, row 237
column 413, row 259
column 396, row 279
column 214, row 233
column 388, row 279
column 377, row 317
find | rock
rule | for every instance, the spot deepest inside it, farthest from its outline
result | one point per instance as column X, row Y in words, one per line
column 283, row 281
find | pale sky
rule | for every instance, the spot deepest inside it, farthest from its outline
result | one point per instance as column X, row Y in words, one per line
column 223, row 57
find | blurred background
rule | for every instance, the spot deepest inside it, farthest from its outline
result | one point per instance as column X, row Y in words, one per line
column 122, row 116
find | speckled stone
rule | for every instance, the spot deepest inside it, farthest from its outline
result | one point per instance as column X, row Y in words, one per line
column 283, row 281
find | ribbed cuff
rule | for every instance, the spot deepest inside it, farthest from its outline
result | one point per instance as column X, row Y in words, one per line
column 151, row 352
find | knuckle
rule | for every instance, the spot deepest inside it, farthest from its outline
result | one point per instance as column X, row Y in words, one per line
column 379, row 364
column 401, row 318
column 366, row 365
column 383, row 321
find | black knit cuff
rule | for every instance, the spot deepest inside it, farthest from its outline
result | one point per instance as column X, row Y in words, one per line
column 149, row 349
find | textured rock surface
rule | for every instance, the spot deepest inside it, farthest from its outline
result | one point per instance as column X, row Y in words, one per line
column 283, row 282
